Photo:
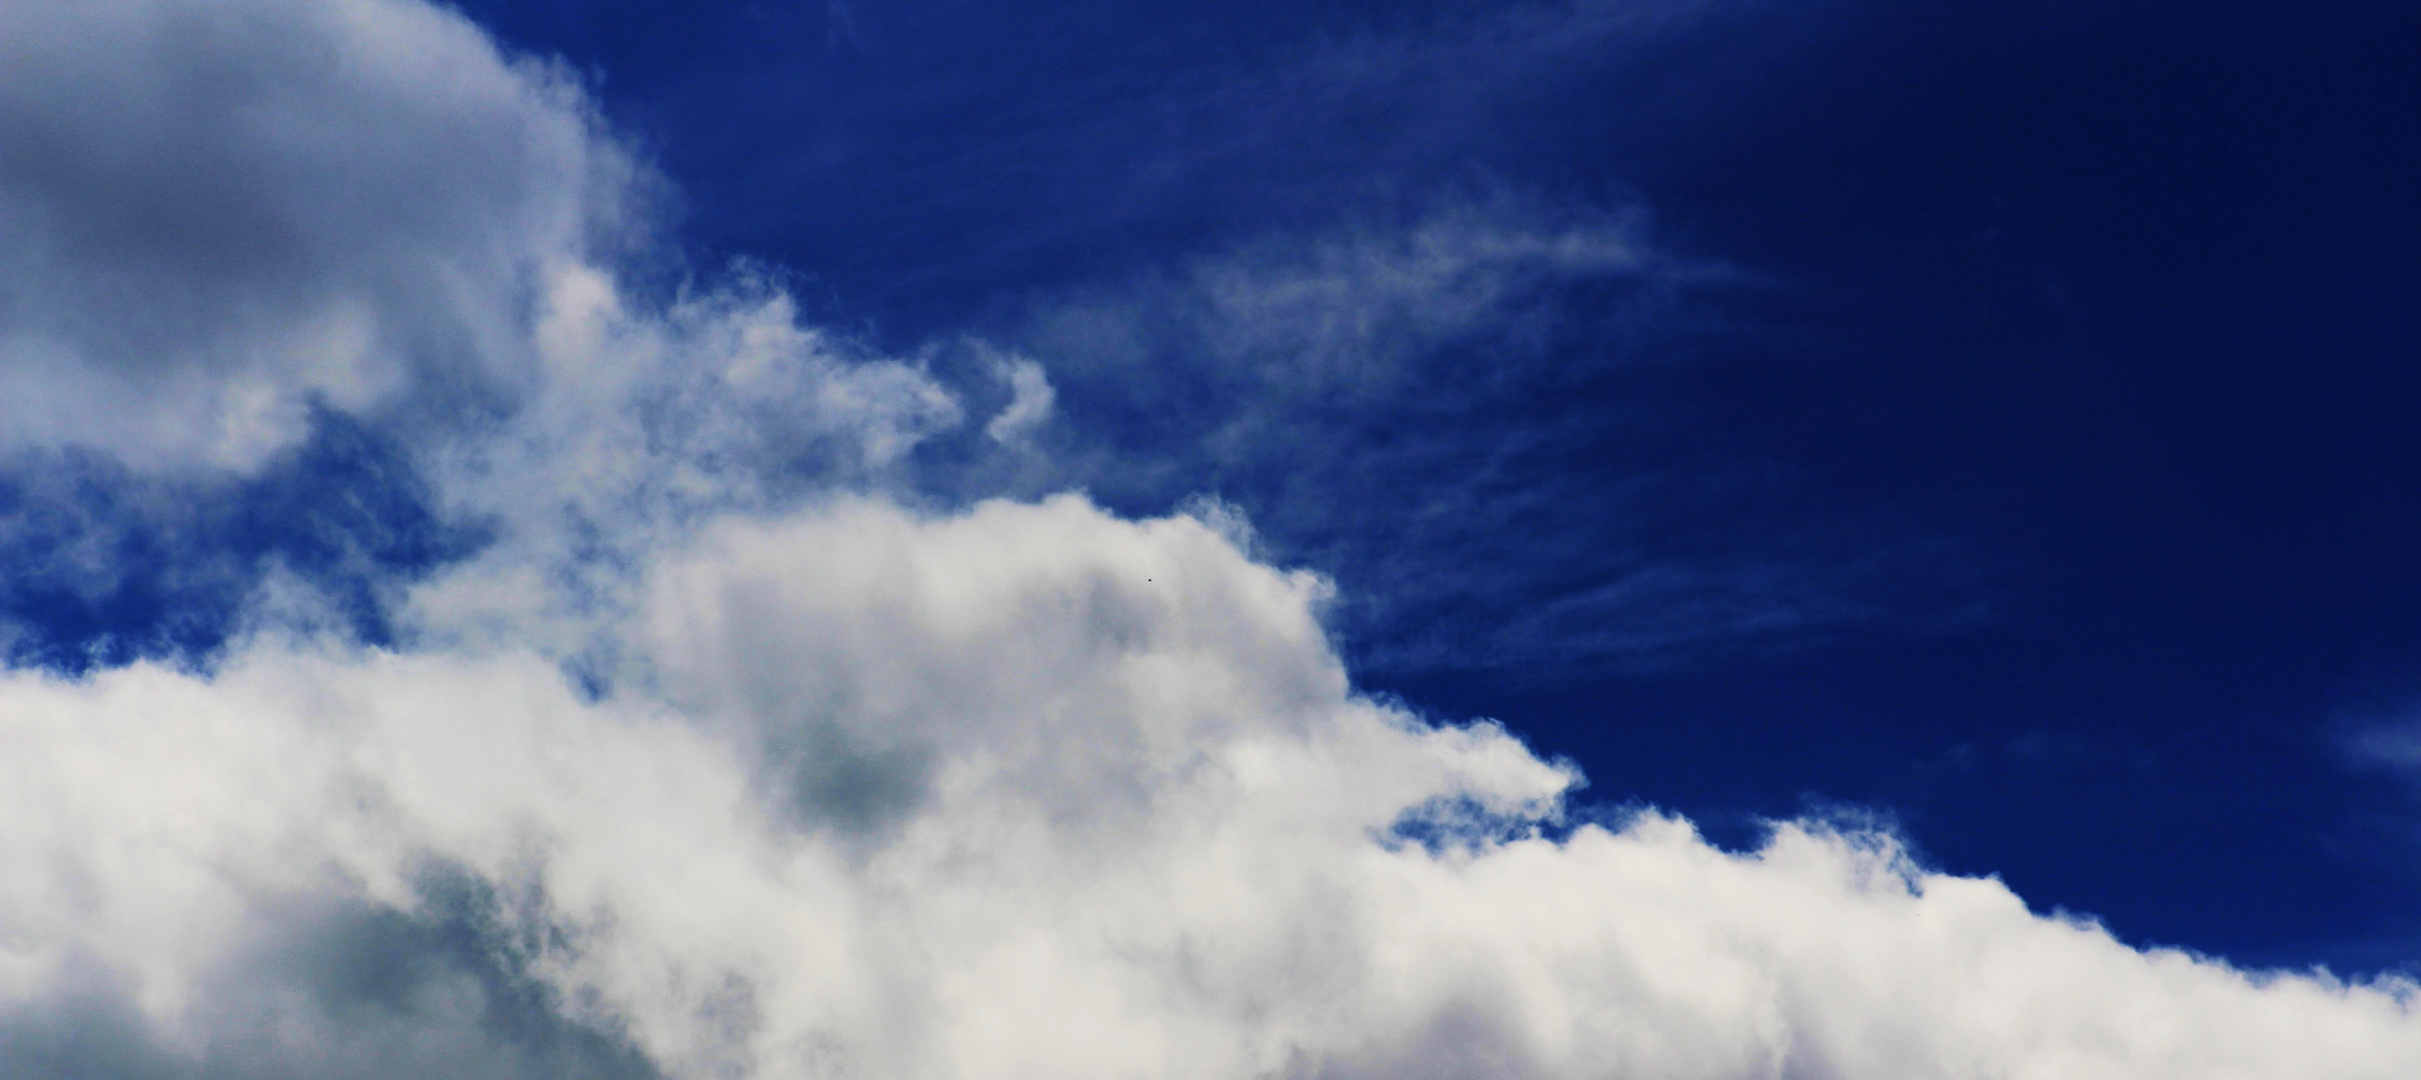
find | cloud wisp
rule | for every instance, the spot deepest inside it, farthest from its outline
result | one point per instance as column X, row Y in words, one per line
column 723, row 753
column 1512, row 374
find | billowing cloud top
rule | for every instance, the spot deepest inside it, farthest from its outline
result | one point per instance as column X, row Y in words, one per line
column 217, row 211
column 728, row 756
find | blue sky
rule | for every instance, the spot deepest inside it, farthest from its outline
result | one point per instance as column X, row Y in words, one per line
column 1956, row 439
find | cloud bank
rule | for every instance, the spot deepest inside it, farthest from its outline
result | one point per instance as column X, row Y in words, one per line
column 726, row 754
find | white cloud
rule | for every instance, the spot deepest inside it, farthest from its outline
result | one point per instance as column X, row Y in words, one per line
column 222, row 216
column 1111, row 809
column 721, row 403
column 217, row 210
column 843, row 787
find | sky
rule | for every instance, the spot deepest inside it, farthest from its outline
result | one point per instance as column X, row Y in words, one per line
column 920, row 539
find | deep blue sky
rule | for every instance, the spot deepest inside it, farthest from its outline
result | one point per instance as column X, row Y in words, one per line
column 2041, row 469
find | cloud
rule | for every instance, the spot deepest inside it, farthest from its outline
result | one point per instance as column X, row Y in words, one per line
column 2395, row 747
column 1350, row 313
column 1128, row 818
column 721, row 402
column 720, row 751
column 249, row 239
column 1481, row 419
column 1030, row 401
column 219, row 212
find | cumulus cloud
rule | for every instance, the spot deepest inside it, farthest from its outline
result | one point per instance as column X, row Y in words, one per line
column 721, row 403
column 1026, row 791
column 245, row 236
column 217, row 212
column 723, row 755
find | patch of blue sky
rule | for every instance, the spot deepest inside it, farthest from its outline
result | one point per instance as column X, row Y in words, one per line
column 102, row 566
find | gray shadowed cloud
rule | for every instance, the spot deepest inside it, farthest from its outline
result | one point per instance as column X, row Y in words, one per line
column 219, row 212
column 331, row 988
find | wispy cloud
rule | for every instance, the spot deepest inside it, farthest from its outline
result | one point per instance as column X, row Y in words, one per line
column 1407, row 402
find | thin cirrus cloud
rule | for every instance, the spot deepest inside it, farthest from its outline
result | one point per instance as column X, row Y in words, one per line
column 1516, row 374
column 725, row 755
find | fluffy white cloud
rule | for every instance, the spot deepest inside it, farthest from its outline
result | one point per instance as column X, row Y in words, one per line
column 228, row 222
column 1034, row 791
column 704, row 769
column 658, row 419
column 215, row 211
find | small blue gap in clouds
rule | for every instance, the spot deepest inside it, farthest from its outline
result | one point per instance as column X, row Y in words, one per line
column 101, row 566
